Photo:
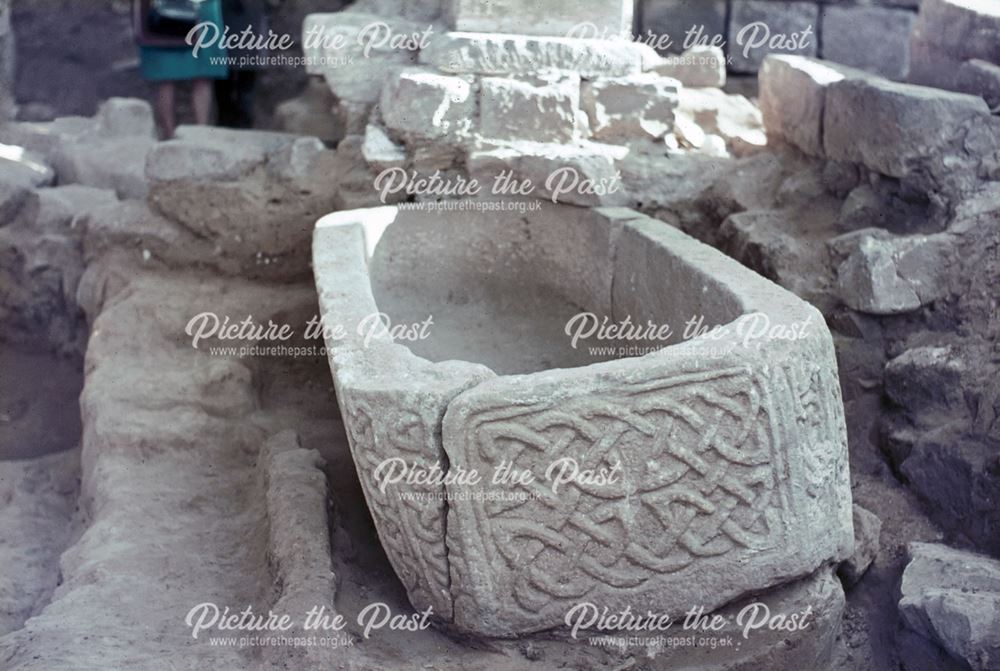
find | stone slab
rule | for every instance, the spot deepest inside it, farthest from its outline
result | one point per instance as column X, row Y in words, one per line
column 608, row 18
column 497, row 54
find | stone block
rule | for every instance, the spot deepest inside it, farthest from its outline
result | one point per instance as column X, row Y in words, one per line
column 952, row 597
column 687, row 23
column 420, row 104
column 548, row 166
column 874, row 39
column 254, row 195
column 354, row 54
column 560, row 18
column 930, row 65
column 887, row 275
column 125, row 117
column 697, row 67
column 496, row 54
column 965, row 29
column 792, row 93
column 982, row 79
column 538, row 109
column 732, row 453
column 867, row 529
column 311, row 113
column 638, row 107
column 761, row 27
column 900, row 130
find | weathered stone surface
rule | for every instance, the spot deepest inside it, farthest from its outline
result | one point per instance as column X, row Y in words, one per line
column 908, row 131
column 867, row 528
column 125, row 117
column 419, row 104
column 357, row 56
column 561, row 18
column 638, row 107
column 686, row 23
column 943, row 443
column 792, row 96
column 891, row 275
column 952, row 597
column 498, row 54
column 980, row 78
column 505, row 564
column 963, row 28
column 311, row 113
column 732, row 117
column 18, row 177
column 39, row 498
column 875, row 39
column 171, row 494
column 255, row 195
column 379, row 151
column 563, row 172
column 697, row 67
column 930, row 64
column 775, row 244
column 538, row 109
column 110, row 151
column 761, row 27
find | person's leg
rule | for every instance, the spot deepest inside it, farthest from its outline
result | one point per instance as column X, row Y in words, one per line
column 201, row 101
column 165, row 108
column 246, row 83
column 224, row 100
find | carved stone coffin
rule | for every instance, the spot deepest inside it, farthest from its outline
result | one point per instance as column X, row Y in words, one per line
column 727, row 451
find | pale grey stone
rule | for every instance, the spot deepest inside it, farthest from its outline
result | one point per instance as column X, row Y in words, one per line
column 550, row 164
column 792, row 97
column 486, row 568
column 420, row 104
column 538, row 109
column 761, row 27
column 638, row 107
column 885, row 274
column 952, row 597
column 875, row 39
column 355, row 60
column 697, row 67
column 380, row 151
column 980, row 78
column 311, row 113
column 125, row 117
column 499, row 54
column 867, row 528
column 560, row 18
column 730, row 116
column 905, row 131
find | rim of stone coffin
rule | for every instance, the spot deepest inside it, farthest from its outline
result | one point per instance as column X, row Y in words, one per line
column 770, row 503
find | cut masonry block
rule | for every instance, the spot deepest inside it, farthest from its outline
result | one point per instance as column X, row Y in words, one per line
column 602, row 19
column 732, row 449
column 540, row 108
column 875, row 39
column 496, row 54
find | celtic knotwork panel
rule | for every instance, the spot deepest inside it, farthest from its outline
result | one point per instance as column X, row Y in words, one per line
column 699, row 478
column 410, row 518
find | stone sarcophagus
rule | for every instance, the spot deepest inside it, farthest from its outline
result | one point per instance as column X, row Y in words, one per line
column 596, row 408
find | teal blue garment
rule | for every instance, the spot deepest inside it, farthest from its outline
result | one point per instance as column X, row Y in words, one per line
column 173, row 64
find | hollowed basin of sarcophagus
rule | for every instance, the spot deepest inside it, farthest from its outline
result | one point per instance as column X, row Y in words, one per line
column 708, row 468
